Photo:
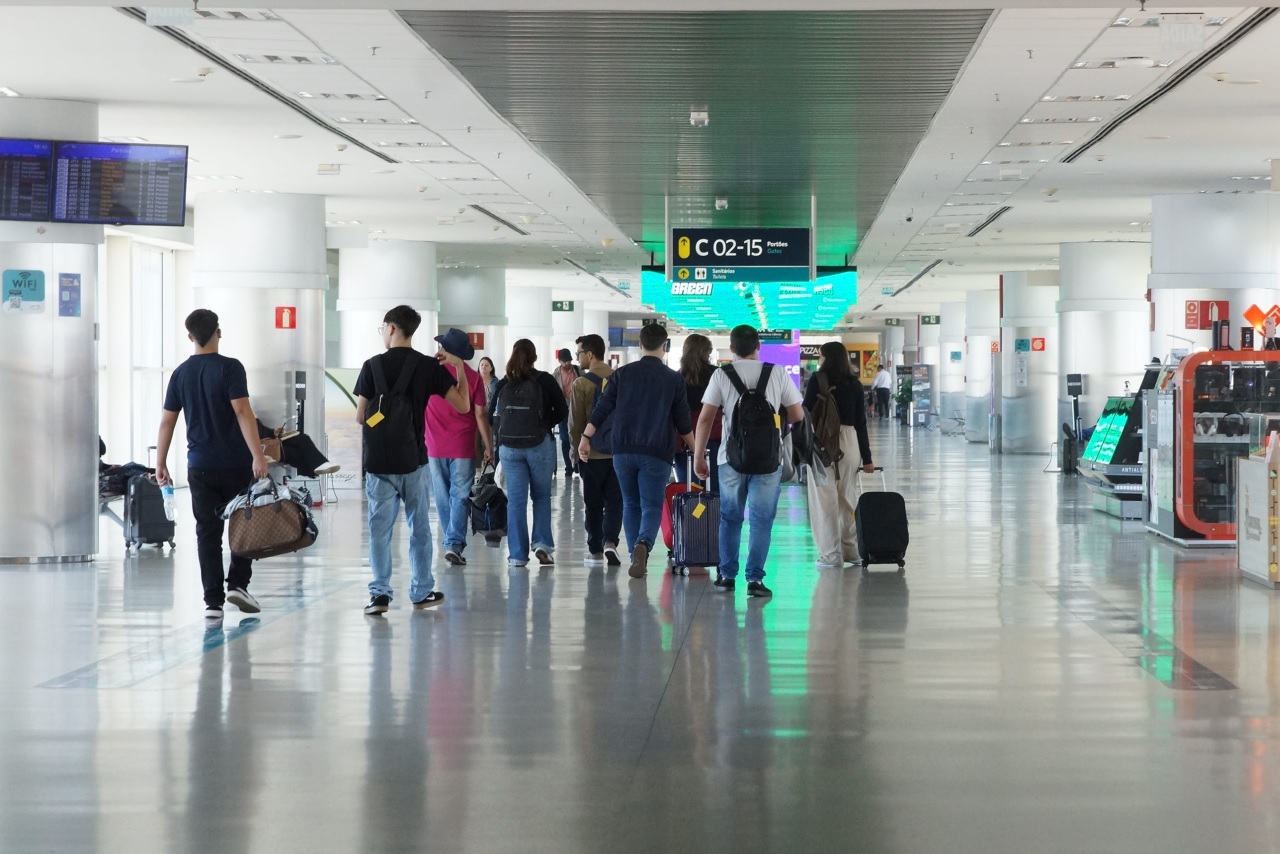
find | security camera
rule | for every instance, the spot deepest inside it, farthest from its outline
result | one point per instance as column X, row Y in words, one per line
column 911, row 219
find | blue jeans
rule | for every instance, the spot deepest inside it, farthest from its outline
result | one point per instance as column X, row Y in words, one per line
column 757, row 494
column 451, row 482
column 385, row 492
column 644, row 482
column 570, row 458
column 529, row 472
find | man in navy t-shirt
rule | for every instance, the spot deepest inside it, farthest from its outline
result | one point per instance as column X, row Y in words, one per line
column 224, row 454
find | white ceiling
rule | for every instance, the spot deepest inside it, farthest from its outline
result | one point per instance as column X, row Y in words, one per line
column 1205, row 135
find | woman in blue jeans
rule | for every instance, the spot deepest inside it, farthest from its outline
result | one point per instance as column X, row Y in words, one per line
column 528, row 404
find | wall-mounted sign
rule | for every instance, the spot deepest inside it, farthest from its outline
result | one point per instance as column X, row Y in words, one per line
column 930, row 320
column 887, row 292
column 1200, row 313
column 1022, row 345
column 286, row 317
column 893, row 321
column 740, row 254
column 476, row 339
column 624, row 286
column 562, row 305
column 995, row 346
column 957, row 356
column 777, row 336
column 1037, row 345
column 810, row 352
column 68, row 295
column 1022, row 369
column 1258, row 319
column 23, row 291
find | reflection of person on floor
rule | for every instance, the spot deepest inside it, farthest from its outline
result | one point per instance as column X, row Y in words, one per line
column 299, row 451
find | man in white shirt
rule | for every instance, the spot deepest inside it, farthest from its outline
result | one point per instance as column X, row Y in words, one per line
column 882, row 388
column 746, row 448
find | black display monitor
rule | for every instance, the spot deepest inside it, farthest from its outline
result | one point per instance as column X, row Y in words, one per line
column 26, row 179
column 120, row 184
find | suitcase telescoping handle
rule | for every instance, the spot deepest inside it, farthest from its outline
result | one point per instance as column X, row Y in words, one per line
column 884, row 484
column 688, row 469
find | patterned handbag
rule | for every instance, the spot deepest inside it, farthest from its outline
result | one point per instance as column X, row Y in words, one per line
column 265, row 523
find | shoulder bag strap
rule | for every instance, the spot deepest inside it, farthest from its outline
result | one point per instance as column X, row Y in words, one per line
column 379, row 378
column 765, row 369
column 406, row 372
column 735, row 379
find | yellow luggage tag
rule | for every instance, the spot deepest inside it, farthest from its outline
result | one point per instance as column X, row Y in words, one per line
column 375, row 419
column 699, row 510
column 777, row 420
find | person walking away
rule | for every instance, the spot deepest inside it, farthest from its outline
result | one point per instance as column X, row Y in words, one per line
column 529, row 405
column 696, row 368
column 645, row 399
column 837, row 405
column 601, row 492
column 751, row 394
column 566, row 374
column 451, row 445
column 882, row 388
column 224, row 454
column 391, row 403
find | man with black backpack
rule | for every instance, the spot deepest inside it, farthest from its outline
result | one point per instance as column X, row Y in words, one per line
column 392, row 392
column 645, row 400
column 753, row 396
column 600, row 490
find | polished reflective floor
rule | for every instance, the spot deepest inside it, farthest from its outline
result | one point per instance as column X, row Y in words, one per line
column 1043, row 678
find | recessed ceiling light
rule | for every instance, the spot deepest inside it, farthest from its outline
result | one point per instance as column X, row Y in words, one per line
column 1155, row 137
column 288, row 136
column 382, row 172
column 8, row 93
column 186, row 79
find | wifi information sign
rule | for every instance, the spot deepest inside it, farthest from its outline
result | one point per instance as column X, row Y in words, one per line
column 23, row 291
column 740, row 255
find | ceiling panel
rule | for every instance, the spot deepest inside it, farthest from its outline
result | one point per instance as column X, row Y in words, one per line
column 827, row 102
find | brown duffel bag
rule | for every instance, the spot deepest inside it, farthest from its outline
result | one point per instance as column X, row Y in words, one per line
column 278, row 528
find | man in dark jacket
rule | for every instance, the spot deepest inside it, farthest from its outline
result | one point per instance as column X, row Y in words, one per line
column 648, row 399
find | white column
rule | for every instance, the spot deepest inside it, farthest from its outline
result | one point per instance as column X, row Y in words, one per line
column 258, row 257
column 982, row 330
column 910, row 341
column 529, row 310
column 476, row 300
column 596, row 322
column 894, row 340
column 952, row 359
column 372, row 281
column 49, row 378
column 566, row 326
column 1211, row 247
column 1029, row 377
column 1103, row 322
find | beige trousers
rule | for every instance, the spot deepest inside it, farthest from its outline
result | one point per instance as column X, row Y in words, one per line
column 831, row 505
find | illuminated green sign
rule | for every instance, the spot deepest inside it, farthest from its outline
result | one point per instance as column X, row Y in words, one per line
column 816, row 305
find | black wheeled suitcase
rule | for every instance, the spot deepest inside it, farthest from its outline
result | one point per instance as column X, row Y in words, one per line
column 881, row 522
column 695, row 528
column 145, row 523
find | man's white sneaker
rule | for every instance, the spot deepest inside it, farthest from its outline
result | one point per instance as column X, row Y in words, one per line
column 328, row 468
column 240, row 597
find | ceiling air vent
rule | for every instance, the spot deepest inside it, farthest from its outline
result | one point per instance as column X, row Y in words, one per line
column 986, row 222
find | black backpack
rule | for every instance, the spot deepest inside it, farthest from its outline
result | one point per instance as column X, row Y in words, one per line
column 602, row 441
column 520, row 420
column 755, row 439
column 391, row 442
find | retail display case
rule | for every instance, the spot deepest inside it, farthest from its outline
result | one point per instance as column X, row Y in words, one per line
column 1213, row 409
column 1112, row 460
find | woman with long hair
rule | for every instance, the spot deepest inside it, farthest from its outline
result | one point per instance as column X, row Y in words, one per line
column 831, row 502
column 528, row 404
column 489, row 374
column 696, row 368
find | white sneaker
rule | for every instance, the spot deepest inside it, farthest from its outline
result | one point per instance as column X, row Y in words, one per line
column 596, row 559
column 611, row 555
column 213, row 612
column 544, row 557
column 453, row 557
column 240, row 597
column 328, row 468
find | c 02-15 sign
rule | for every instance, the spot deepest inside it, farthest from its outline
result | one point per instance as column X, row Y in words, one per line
column 740, row 247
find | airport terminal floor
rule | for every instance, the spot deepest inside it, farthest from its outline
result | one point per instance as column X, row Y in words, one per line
column 1042, row 678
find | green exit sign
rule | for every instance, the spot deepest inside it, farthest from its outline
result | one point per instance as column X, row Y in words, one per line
column 893, row 321
column 562, row 305
column 930, row 320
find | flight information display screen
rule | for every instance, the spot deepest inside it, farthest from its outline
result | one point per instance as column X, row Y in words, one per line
column 108, row 183
column 26, row 170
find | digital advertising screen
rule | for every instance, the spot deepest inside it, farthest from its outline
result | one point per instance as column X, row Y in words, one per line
column 118, row 184
column 26, row 179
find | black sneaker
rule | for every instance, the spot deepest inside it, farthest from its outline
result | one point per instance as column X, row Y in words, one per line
column 213, row 612
column 725, row 584
column 454, row 556
column 432, row 599
column 378, row 605
column 611, row 554
column 757, row 588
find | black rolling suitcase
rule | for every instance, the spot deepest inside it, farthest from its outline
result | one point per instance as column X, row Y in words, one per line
column 695, row 528
column 144, row 520
column 881, row 522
